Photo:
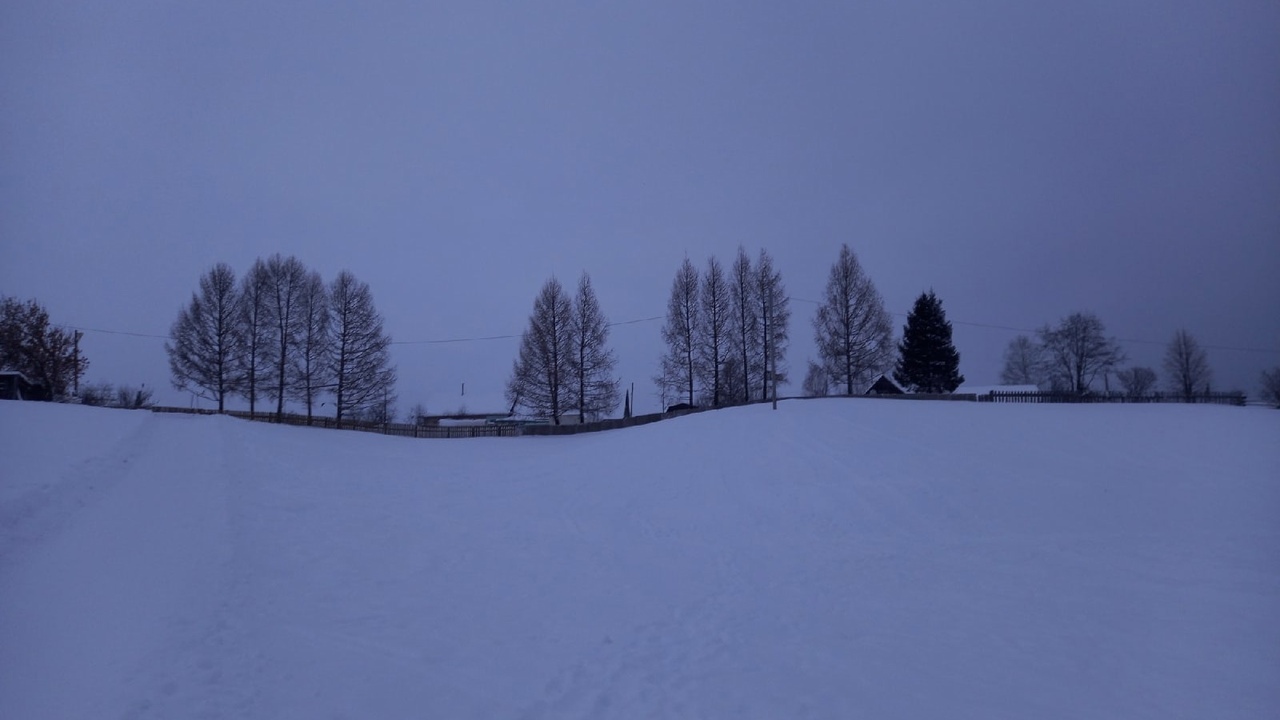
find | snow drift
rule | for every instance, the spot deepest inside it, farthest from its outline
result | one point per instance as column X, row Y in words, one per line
column 832, row 559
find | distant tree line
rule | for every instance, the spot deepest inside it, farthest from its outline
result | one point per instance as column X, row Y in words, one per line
column 1072, row 356
column 281, row 333
column 104, row 394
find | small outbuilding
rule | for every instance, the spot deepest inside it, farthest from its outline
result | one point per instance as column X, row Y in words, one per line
column 460, row 419
column 15, row 386
column 884, row 386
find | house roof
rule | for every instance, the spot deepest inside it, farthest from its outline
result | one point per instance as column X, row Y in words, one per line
column 884, row 385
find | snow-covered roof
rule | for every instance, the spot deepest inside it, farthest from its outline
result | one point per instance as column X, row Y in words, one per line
column 457, row 422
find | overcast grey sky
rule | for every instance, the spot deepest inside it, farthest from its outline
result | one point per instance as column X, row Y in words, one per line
column 1023, row 159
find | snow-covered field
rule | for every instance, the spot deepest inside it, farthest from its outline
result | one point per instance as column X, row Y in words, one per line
column 832, row 559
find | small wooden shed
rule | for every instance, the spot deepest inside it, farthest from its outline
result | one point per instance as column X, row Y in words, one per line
column 15, row 386
column 884, row 386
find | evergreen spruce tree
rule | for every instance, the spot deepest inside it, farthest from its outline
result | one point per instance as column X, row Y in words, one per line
column 928, row 362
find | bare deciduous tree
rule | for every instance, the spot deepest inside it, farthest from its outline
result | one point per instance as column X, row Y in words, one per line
column 284, row 280
column 592, row 363
column 815, row 381
column 1023, row 361
column 359, row 361
column 309, row 366
column 1186, row 366
column 1137, row 381
column 541, row 375
column 1078, row 350
column 713, row 332
column 680, row 333
column 735, row 391
column 133, row 398
column 34, row 346
column 852, row 329
column 744, row 325
column 1271, row 386
column 206, row 339
column 253, row 363
column 775, row 319
column 99, row 394
column 417, row 411
column 382, row 411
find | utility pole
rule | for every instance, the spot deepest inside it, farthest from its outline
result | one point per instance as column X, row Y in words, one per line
column 773, row 351
column 75, row 371
column 773, row 375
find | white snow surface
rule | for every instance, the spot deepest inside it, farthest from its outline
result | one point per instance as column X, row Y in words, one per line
column 831, row 559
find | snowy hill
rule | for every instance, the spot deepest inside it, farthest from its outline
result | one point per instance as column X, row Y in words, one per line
column 832, row 559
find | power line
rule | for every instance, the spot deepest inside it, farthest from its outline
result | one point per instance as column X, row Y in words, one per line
column 1136, row 341
column 487, row 338
column 509, row 337
column 637, row 320
column 445, row 341
column 109, row 332
column 453, row 340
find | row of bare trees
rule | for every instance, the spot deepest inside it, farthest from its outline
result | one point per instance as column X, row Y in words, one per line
column 565, row 364
column 726, row 333
column 282, row 333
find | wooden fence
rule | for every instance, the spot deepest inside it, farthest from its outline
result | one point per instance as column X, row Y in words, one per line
column 501, row 430
column 610, row 424
column 441, row 431
column 398, row 429
column 1114, row 397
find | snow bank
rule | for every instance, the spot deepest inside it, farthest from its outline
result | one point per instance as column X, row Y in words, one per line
column 834, row 558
